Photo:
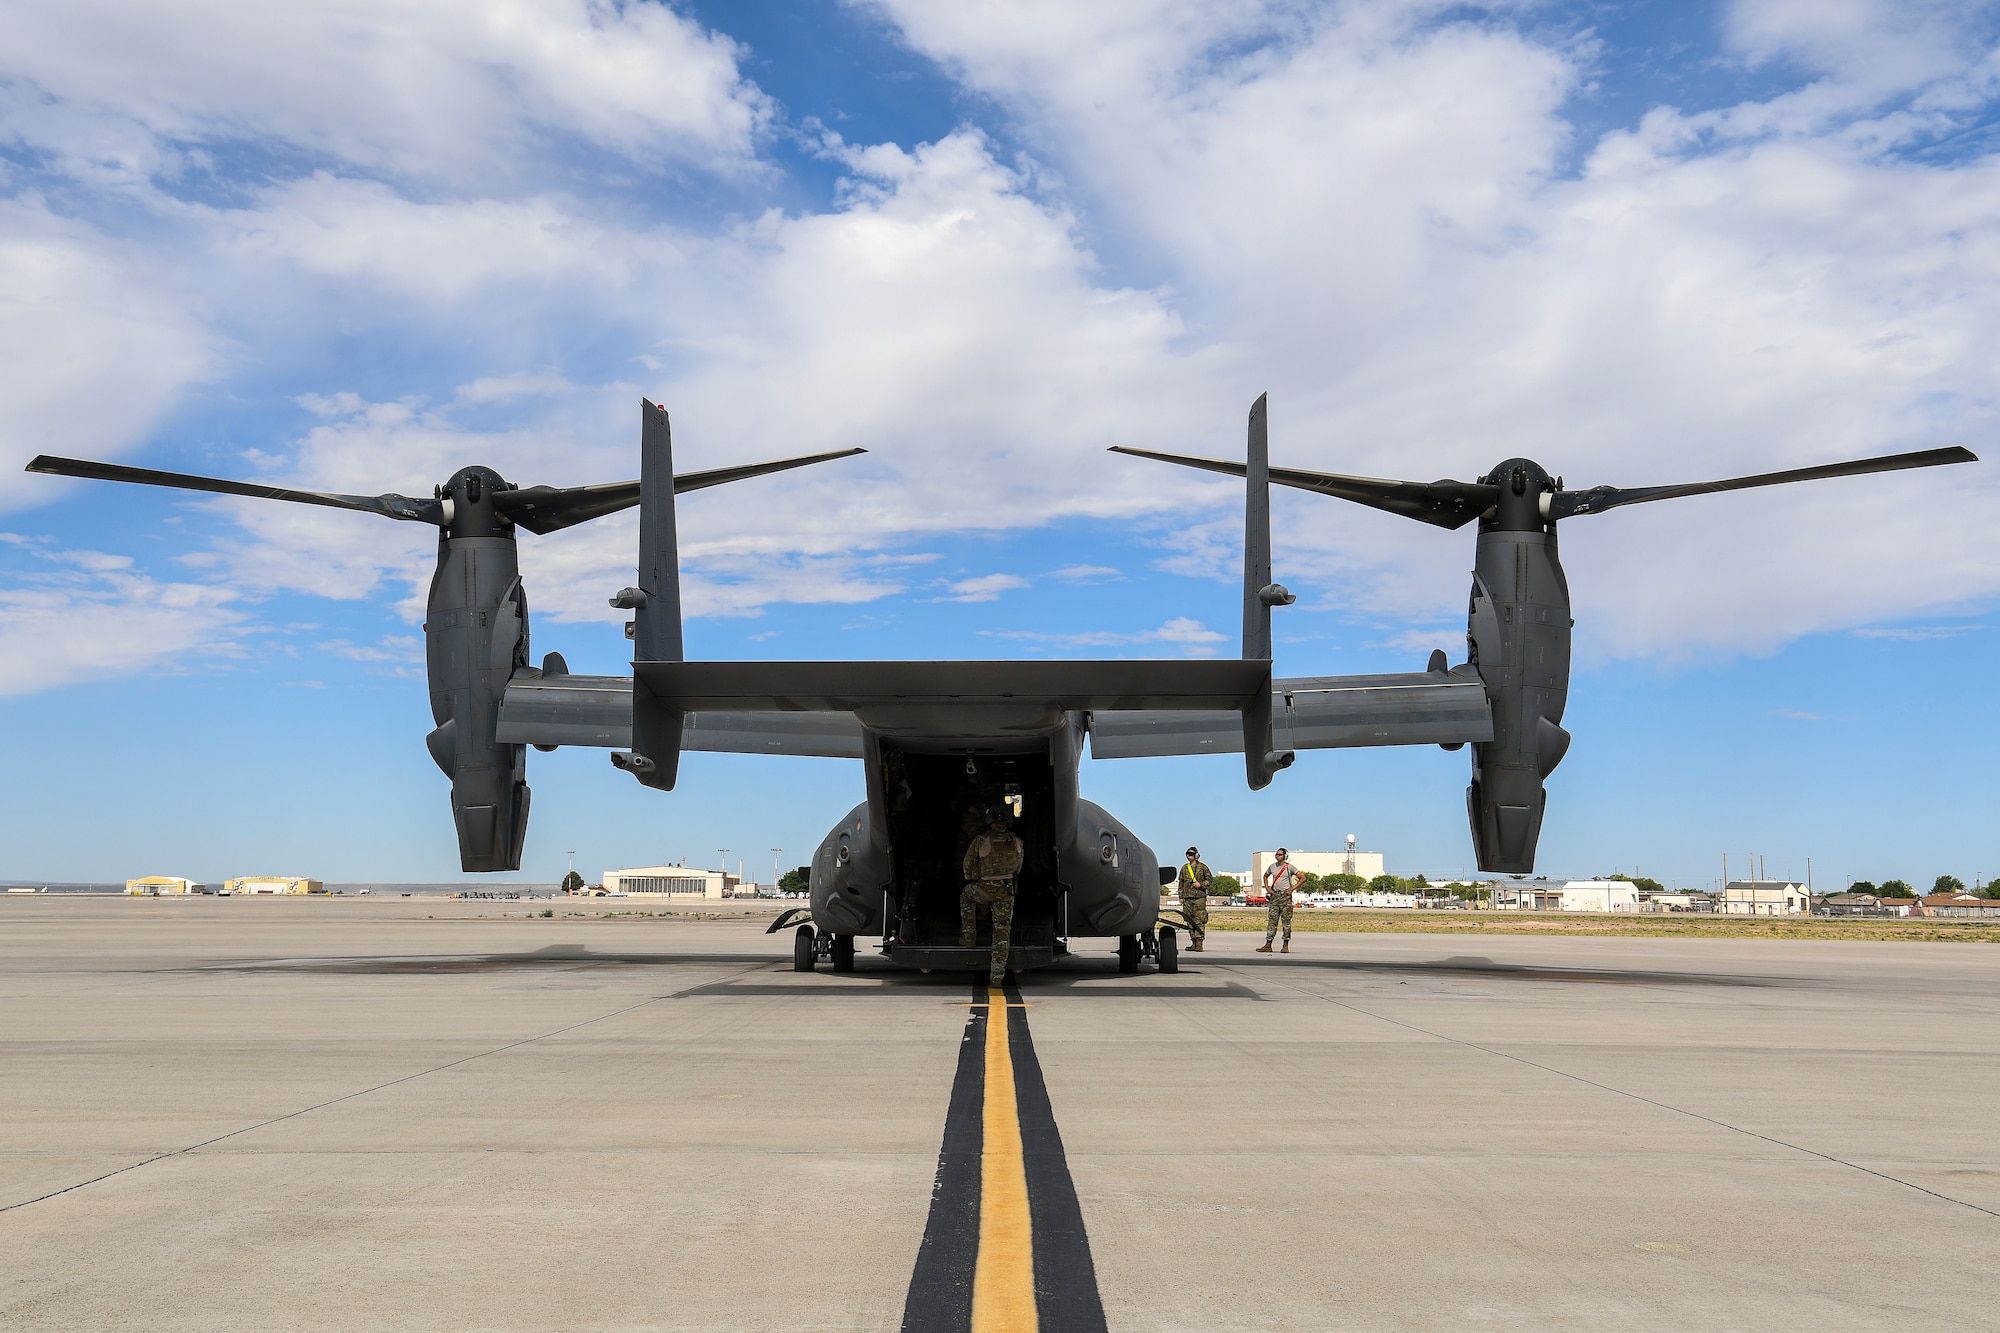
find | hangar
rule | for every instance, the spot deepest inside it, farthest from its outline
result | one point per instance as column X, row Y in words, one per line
column 152, row 886
column 261, row 885
column 674, row 881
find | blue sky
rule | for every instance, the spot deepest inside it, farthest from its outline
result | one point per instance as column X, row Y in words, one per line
column 358, row 246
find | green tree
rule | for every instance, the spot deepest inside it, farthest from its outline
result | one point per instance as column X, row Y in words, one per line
column 1387, row 884
column 1895, row 888
column 1342, row 884
column 1645, row 885
column 1225, row 886
column 1948, row 884
column 1992, row 889
column 572, row 882
column 1862, row 886
column 795, row 881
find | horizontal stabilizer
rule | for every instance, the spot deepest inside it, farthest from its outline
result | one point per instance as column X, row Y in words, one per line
column 843, row 687
column 597, row 711
column 1313, row 713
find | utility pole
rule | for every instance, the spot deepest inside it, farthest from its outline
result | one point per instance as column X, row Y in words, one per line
column 722, row 865
column 776, row 852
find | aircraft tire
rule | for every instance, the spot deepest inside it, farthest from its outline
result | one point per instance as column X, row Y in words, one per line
column 843, row 953
column 1169, row 950
column 1128, row 955
column 802, row 949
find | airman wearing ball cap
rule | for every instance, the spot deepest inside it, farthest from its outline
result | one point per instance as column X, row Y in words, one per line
column 1279, row 882
column 1192, row 883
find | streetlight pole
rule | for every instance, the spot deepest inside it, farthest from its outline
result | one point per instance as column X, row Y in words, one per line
column 776, row 852
column 723, row 866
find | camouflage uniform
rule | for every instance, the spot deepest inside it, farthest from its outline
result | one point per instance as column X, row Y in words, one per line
column 991, row 863
column 1283, row 878
column 1193, row 883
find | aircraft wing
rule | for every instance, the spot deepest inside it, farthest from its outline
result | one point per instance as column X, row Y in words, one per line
column 597, row 711
column 808, row 708
column 741, row 711
column 814, row 687
column 1313, row 713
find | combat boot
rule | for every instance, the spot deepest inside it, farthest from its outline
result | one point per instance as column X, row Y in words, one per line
column 1195, row 947
column 1287, row 948
column 1263, row 948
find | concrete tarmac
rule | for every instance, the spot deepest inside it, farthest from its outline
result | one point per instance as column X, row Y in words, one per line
column 418, row 1114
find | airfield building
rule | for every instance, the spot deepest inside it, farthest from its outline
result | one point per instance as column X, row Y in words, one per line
column 1851, row 904
column 1575, row 895
column 1765, row 897
column 152, row 886
column 1600, row 895
column 1367, row 865
column 257, row 886
column 1958, row 904
column 672, row 881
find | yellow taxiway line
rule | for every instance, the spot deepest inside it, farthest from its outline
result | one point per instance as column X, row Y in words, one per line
column 1003, row 1284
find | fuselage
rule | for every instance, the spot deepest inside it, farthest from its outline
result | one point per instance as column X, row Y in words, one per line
column 892, row 868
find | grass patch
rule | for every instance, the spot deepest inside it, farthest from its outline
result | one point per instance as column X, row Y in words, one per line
column 1353, row 920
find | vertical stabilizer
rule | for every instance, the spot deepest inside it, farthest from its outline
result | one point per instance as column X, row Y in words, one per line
column 1260, row 594
column 1257, row 537
column 655, row 605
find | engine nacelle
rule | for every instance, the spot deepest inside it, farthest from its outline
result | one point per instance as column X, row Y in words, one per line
column 475, row 637
column 1113, row 878
column 1518, row 637
column 848, row 876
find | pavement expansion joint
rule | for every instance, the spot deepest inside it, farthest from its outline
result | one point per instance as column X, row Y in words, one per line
column 1642, row 1098
column 352, row 1096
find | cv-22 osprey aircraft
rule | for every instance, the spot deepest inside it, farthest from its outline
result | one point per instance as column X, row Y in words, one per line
column 941, row 742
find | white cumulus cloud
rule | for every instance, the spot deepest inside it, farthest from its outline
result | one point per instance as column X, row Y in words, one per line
column 88, row 615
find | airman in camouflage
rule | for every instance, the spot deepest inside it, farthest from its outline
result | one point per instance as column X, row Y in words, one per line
column 991, row 864
column 1192, row 883
column 1279, row 882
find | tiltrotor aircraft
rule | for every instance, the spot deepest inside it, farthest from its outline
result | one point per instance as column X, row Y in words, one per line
column 941, row 742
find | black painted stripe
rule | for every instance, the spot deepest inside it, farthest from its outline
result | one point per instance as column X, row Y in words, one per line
column 1066, row 1295
column 940, row 1295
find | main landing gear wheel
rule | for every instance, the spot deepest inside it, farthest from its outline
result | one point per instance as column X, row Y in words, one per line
column 843, row 953
column 1169, row 950
column 1128, row 955
column 802, row 949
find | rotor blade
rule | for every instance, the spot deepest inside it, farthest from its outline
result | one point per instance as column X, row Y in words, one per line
column 1597, row 499
column 1444, row 504
column 389, row 506
column 546, row 509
